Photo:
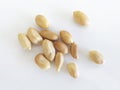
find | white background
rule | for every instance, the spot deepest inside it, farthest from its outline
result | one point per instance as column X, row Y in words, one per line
column 18, row 70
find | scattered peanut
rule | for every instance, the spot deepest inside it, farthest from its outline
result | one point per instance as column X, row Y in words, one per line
column 54, row 48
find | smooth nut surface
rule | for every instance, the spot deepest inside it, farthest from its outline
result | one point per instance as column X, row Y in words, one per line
column 42, row 21
column 48, row 49
column 66, row 37
column 34, row 36
column 73, row 69
column 59, row 60
column 24, row 41
column 96, row 56
column 61, row 47
column 47, row 34
column 80, row 18
column 74, row 50
column 42, row 62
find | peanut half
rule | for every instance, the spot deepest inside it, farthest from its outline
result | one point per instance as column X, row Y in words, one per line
column 59, row 60
column 96, row 56
column 74, row 50
column 34, row 36
column 47, row 34
column 73, row 69
column 24, row 41
column 42, row 62
column 42, row 21
column 80, row 18
column 48, row 49
column 66, row 37
column 61, row 47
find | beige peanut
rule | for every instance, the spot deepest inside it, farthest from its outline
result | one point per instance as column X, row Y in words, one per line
column 73, row 69
column 47, row 34
column 66, row 37
column 61, row 47
column 42, row 62
column 96, row 56
column 34, row 36
column 74, row 50
column 24, row 41
column 59, row 60
column 80, row 18
column 42, row 21
column 48, row 49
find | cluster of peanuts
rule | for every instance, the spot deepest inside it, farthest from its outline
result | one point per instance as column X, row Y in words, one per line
column 56, row 46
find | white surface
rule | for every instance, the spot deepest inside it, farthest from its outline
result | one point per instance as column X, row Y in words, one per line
column 18, row 70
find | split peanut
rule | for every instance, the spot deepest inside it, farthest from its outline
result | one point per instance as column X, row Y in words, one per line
column 42, row 21
column 74, row 50
column 73, row 69
column 61, row 47
column 59, row 60
column 42, row 62
column 34, row 36
column 80, row 18
column 66, row 37
column 47, row 34
column 48, row 49
column 24, row 41
column 96, row 56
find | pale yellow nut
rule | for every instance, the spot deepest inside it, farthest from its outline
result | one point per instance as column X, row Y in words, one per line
column 59, row 60
column 48, row 49
column 80, row 18
column 42, row 21
column 74, row 50
column 73, row 69
column 24, row 41
column 42, row 62
column 47, row 34
column 96, row 56
column 66, row 37
column 61, row 47
column 34, row 36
